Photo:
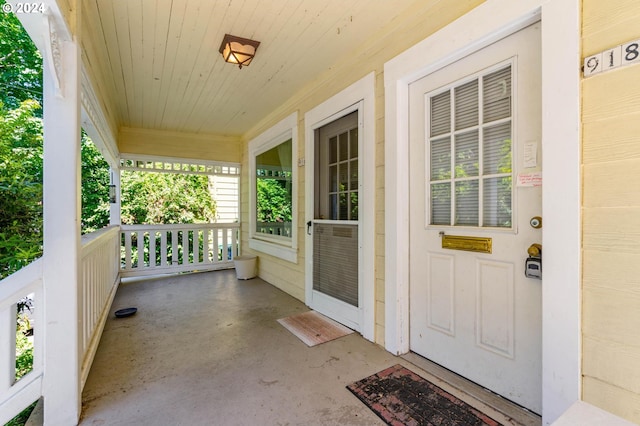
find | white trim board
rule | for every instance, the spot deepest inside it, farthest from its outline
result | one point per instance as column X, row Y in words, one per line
column 358, row 96
column 484, row 25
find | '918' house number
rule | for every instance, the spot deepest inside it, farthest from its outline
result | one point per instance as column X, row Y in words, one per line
column 624, row 54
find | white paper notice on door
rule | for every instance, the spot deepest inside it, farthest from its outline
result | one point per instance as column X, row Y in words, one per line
column 530, row 179
column 530, row 154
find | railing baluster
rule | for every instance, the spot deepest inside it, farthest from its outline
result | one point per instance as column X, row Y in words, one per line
column 8, row 354
column 205, row 246
column 140, row 248
column 152, row 249
column 185, row 247
column 175, row 256
column 127, row 249
column 163, row 248
column 196, row 246
column 225, row 245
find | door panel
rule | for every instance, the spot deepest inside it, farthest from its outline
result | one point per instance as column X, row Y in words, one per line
column 476, row 313
column 336, row 285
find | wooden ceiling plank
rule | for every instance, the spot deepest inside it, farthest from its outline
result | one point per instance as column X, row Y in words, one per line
column 158, row 42
column 194, row 46
column 111, row 47
column 147, row 57
column 173, row 36
column 95, row 54
column 135, row 24
column 123, row 40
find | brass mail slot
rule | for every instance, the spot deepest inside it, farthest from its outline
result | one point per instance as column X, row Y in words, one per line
column 457, row 242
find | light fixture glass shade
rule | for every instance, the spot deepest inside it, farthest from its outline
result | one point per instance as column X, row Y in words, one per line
column 237, row 50
column 112, row 194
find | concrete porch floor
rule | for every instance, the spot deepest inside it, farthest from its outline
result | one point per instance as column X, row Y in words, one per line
column 205, row 349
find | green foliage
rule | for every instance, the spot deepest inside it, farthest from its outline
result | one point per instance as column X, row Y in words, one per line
column 273, row 200
column 156, row 198
column 20, row 64
column 24, row 347
column 20, row 186
column 95, row 187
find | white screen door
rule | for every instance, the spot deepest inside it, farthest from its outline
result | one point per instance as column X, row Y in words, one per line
column 475, row 126
column 334, row 229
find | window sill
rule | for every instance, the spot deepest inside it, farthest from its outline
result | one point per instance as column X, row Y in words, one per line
column 286, row 253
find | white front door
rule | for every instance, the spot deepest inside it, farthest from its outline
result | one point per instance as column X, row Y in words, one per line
column 334, row 230
column 475, row 132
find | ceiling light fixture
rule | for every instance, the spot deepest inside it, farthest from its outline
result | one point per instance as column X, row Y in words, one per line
column 238, row 50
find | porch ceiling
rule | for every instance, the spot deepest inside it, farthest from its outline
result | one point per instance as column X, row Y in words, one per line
column 156, row 63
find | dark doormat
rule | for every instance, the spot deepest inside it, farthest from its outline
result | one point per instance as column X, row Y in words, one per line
column 401, row 397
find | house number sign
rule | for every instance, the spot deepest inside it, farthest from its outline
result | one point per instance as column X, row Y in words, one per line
column 619, row 56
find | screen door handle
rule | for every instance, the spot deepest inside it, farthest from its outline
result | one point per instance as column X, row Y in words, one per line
column 308, row 228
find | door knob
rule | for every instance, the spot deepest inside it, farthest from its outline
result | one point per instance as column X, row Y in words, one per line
column 535, row 250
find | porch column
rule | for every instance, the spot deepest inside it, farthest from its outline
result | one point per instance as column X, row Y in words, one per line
column 114, row 208
column 61, row 381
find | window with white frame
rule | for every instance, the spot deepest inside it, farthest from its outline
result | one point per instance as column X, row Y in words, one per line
column 273, row 206
column 469, row 146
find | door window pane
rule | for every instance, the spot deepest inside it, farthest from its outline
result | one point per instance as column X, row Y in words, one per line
column 497, row 95
column 467, row 154
column 497, row 202
column 466, row 104
column 441, row 159
column 467, row 203
column 441, row 203
column 441, row 114
column 497, row 149
column 470, row 164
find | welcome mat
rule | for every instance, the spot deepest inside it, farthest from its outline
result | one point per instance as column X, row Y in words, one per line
column 314, row 328
column 401, row 397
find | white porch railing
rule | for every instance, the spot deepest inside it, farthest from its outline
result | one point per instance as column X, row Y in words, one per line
column 16, row 395
column 161, row 249
column 274, row 228
column 97, row 287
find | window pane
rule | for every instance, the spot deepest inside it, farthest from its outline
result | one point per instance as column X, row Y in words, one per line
column 467, row 154
column 353, row 140
column 353, row 175
column 497, row 95
column 497, row 149
column 441, row 114
column 354, row 206
column 441, row 159
column 343, row 146
column 333, row 150
column 344, row 206
column 343, row 172
column 466, row 105
column 333, row 179
column 274, row 190
column 497, row 202
column 441, row 203
column 467, row 202
column 333, row 206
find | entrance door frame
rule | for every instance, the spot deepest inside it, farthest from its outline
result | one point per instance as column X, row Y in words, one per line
column 360, row 96
column 561, row 200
